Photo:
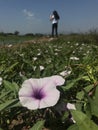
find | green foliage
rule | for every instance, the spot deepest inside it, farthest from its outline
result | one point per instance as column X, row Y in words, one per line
column 8, row 104
column 82, row 122
column 22, row 61
column 38, row 126
column 94, row 103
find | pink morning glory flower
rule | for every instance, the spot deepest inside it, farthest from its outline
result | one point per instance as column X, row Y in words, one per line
column 40, row 93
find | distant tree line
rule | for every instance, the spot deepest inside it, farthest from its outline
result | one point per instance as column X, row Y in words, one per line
column 5, row 34
column 17, row 33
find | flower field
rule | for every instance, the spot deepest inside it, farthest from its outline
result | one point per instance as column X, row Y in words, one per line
column 50, row 84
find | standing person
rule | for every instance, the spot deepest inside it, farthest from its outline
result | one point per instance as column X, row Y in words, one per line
column 54, row 19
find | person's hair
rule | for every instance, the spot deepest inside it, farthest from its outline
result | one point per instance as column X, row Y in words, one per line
column 56, row 15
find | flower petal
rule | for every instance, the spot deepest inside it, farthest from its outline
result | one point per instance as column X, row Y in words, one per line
column 26, row 89
column 71, row 106
column 51, row 99
column 33, row 83
column 65, row 73
column 29, row 102
column 52, row 95
column 58, row 80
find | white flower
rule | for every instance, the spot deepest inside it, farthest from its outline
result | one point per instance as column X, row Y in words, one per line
column 0, row 80
column 41, row 67
column 83, row 44
column 65, row 73
column 46, row 51
column 50, row 39
column 81, row 48
column 71, row 106
column 57, row 50
column 34, row 58
column 88, row 52
column 21, row 74
column 38, row 49
column 77, row 44
column 21, row 54
column 56, row 53
column 40, row 93
column 10, row 45
column 73, row 52
column 74, row 58
column 39, row 54
column 68, row 42
column 34, row 68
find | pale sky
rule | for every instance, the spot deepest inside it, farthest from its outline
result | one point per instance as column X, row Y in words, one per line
column 32, row 16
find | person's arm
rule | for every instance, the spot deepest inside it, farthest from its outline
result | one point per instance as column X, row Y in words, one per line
column 51, row 17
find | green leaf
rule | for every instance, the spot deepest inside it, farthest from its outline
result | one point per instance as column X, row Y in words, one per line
column 38, row 126
column 4, row 94
column 82, row 121
column 86, row 78
column 80, row 95
column 65, row 115
column 71, row 83
column 73, row 127
column 11, row 67
column 7, row 104
column 87, row 109
column 94, row 103
column 79, row 105
column 15, row 86
column 11, row 86
column 8, row 85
